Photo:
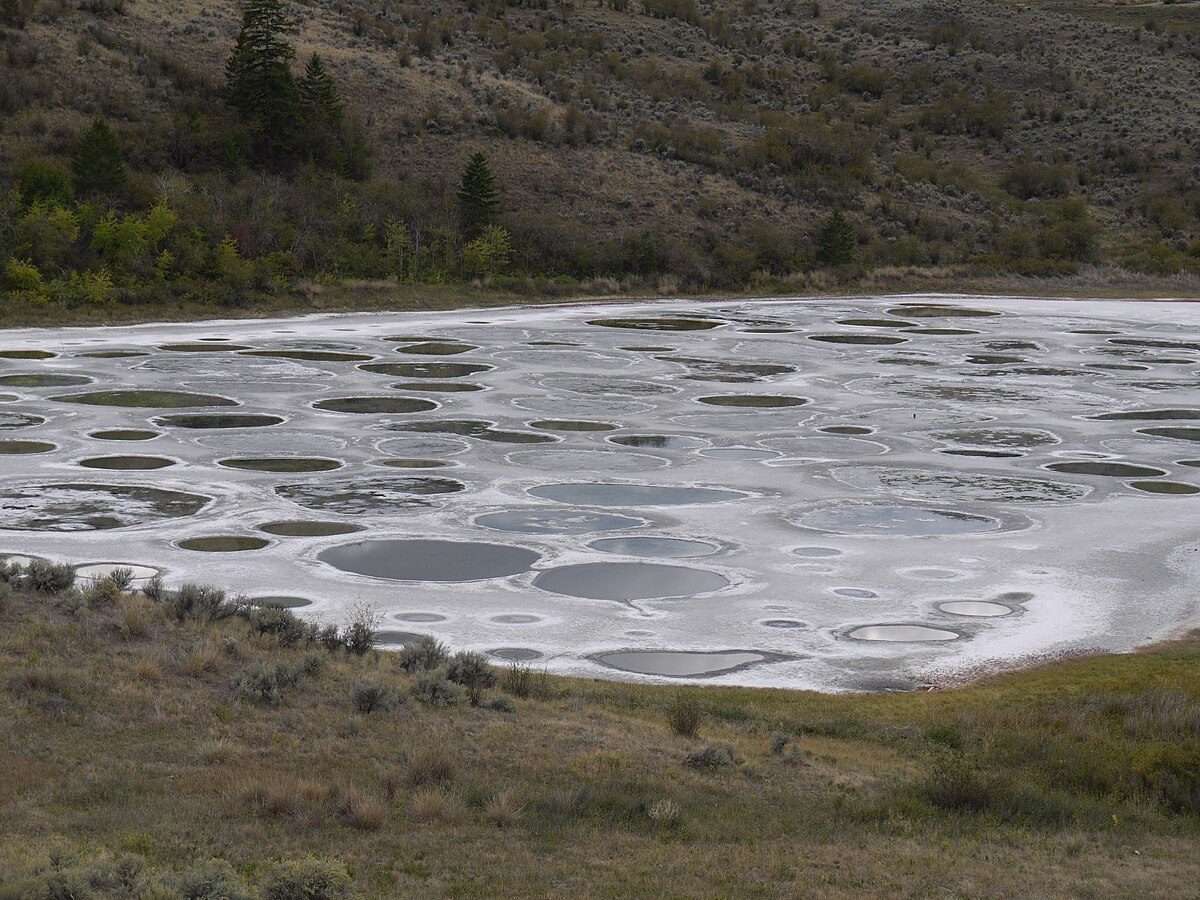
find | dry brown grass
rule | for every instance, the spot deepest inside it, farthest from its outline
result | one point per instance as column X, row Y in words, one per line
column 504, row 809
column 431, row 805
column 431, row 763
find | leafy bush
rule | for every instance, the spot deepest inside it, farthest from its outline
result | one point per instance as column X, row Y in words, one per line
column 122, row 577
column 434, row 689
column 264, row 682
column 314, row 878
column 359, row 636
column 371, row 695
column 472, row 671
column 212, row 880
column 200, row 602
column 49, row 578
column 423, row 655
column 503, row 704
column 685, row 714
column 711, row 758
column 522, row 680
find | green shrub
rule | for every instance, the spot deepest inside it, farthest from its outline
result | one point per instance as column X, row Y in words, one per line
column 711, row 758
column 685, row 714
column 49, row 578
column 503, row 704
column 423, row 655
column 522, row 680
column 434, row 689
column 264, row 682
column 212, row 880
column 472, row 671
column 200, row 602
column 44, row 181
column 372, row 694
column 314, row 878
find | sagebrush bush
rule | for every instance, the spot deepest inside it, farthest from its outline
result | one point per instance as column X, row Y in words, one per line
column 502, row 703
column 372, row 694
column 434, row 689
column 522, row 680
column 46, row 577
column 200, row 602
column 122, row 577
column 314, row 878
column 212, row 880
column 102, row 592
column 711, row 758
column 471, row 670
column 423, row 655
column 264, row 682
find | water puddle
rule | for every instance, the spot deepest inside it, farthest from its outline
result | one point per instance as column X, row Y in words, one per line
column 516, row 619
column 43, row 381
column 977, row 608
column 478, row 429
column 659, row 441
column 567, row 425
column 389, row 638
column 905, row 633
column 309, row 529
column 103, row 570
column 437, row 348
column 415, row 463
column 422, row 618
column 515, row 654
column 125, row 434
column 228, row 420
column 658, row 324
column 19, row 420
column 223, row 544
column 1106, row 469
column 877, row 340
column 998, row 438
column 681, row 663
column 27, row 354
column 312, row 355
column 280, row 602
column 891, row 520
column 1177, row 488
column 855, row 593
column 557, row 521
column 818, row 552
column 628, row 581
column 129, row 463
column 282, row 464
column 653, row 547
column 732, row 373
column 604, row 387
column 147, row 399
column 782, row 623
column 633, row 494
column 91, row 507
column 438, row 370
column 438, row 387
column 375, row 405
column 368, row 495
column 932, row 311
column 114, row 354
column 202, row 348
column 753, row 401
column 429, row 560
column 1149, row 415
column 846, row 429
column 876, row 323
column 23, row 448
column 923, row 484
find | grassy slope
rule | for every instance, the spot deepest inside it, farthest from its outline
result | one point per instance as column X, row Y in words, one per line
column 112, row 746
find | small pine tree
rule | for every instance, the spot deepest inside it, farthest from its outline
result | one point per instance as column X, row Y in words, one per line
column 836, row 242
column 478, row 199
column 259, row 82
column 321, row 113
column 97, row 163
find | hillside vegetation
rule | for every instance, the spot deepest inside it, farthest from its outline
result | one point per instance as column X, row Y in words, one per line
column 662, row 145
column 186, row 745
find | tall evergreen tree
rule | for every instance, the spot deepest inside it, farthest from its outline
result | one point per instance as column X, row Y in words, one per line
column 836, row 241
column 259, row 82
column 321, row 114
column 478, row 198
column 97, row 163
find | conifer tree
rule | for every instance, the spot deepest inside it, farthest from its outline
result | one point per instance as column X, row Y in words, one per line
column 836, row 242
column 97, row 163
column 321, row 114
column 478, row 199
column 259, row 82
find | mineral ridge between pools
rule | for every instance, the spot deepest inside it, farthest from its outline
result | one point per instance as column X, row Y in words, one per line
column 858, row 492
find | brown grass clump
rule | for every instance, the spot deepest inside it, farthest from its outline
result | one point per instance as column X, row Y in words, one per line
column 359, row 810
column 431, row 763
column 264, row 798
column 504, row 809
column 201, row 659
column 51, row 681
column 137, row 617
column 435, row 805
column 148, row 669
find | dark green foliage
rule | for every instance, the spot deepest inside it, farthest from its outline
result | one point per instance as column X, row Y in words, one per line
column 309, row 879
column 259, row 82
column 49, row 578
column 98, row 163
column 472, row 671
column 685, row 714
column 836, row 242
column 371, row 694
column 40, row 180
column 478, row 198
column 435, row 689
column 711, row 758
column 264, row 682
column 205, row 604
column 213, row 880
column 321, row 113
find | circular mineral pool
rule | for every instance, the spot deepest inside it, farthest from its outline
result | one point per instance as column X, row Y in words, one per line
column 27, row 354
column 376, row 405
column 628, row 581
column 438, row 370
column 1179, row 434
column 782, row 623
column 817, row 552
column 103, row 570
column 557, row 521
column 931, row 311
column 633, row 494
column 223, row 544
column 280, row 602
column 888, row 519
column 1108, row 469
column 568, row 425
column 416, row 463
column 313, row 355
column 658, row 324
column 146, row 399
column 1177, row 488
column 37, row 380
column 430, row 560
column 978, row 608
column 659, row 441
column 846, row 429
column 515, row 654
column 878, row 340
column 227, row 420
column 91, row 507
column 437, row 348
column 280, row 464
column 419, row 617
column 653, row 547
column 1150, row 415
column 364, row 496
column 855, row 593
column 19, row 420
column 680, row 663
column 516, row 619
column 388, row 637
column 130, row 463
column 902, row 633
column 22, row 448
column 744, row 454
column 202, row 348
column 114, row 354
column 125, row 434
column 438, row 387
column 309, row 529
column 753, row 401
